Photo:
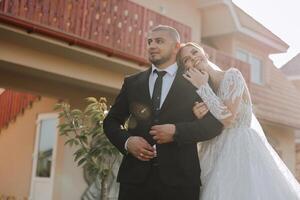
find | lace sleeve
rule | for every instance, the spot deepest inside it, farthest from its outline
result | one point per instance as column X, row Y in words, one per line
column 224, row 106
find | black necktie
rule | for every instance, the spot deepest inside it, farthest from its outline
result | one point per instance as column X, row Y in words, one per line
column 156, row 95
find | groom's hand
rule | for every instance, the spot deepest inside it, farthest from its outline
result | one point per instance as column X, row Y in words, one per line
column 200, row 110
column 140, row 148
column 163, row 133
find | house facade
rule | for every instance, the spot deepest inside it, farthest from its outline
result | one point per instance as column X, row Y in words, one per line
column 246, row 39
column 292, row 70
column 68, row 50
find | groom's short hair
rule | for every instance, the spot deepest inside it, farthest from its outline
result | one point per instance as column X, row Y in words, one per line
column 172, row 31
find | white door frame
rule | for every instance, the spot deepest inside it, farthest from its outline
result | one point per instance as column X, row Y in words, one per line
column 41, row 117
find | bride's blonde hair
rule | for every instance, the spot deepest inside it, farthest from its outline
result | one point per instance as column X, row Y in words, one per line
column 182, row 45
column 197, row 46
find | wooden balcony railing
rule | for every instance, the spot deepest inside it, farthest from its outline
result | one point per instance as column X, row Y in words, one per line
column 13, row 103
column 115, row 27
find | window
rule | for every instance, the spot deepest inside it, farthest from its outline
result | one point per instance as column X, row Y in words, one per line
column 45, row 147
column 256, row 70
column 255, row 63
column 242, row 55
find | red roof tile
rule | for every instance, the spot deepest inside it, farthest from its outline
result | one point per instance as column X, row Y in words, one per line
column 12, row 104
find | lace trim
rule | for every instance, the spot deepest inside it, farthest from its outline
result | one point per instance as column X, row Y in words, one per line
column 214, row 104
column 231, row 87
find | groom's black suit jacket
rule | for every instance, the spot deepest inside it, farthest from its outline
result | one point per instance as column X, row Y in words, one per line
column 178, row 161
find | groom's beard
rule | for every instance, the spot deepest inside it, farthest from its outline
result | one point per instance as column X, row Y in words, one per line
column 158, row 62
column 161, row 60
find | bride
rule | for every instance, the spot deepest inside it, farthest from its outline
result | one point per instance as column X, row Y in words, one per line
column 239, row 164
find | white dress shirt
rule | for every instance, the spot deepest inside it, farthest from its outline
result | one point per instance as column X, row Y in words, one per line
column 166, row 84
column 167, row 80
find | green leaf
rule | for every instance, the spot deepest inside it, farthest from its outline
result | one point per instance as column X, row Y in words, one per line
column 84, row 139
column 91, row 99
column 62, row 126
column 70, row 142
column 76, row 112
column 57, row 106
column 61, row 115
column 78, row 155
column 81, row 161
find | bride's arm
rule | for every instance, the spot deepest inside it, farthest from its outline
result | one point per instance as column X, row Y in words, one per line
column 232, row 89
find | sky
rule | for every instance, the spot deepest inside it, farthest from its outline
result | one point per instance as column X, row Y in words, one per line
column 282, row 17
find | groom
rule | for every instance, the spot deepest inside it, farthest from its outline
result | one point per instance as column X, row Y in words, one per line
column 159, row 100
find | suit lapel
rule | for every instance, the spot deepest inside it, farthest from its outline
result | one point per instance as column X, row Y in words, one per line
column 144, row 86
column 177, row 87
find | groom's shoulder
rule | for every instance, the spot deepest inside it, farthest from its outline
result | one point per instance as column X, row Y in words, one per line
column 137, row 75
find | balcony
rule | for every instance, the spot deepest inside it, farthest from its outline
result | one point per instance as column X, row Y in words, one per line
column 114, row 27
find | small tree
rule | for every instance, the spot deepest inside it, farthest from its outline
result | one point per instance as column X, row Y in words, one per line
column 84, row 130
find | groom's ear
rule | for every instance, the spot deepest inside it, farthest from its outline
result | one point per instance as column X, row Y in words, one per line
column 177, row 46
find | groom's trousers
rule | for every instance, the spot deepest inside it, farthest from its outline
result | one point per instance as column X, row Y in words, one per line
column 154, row 189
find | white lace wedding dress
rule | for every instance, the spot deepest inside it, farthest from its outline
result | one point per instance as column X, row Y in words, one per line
column 240, row 164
